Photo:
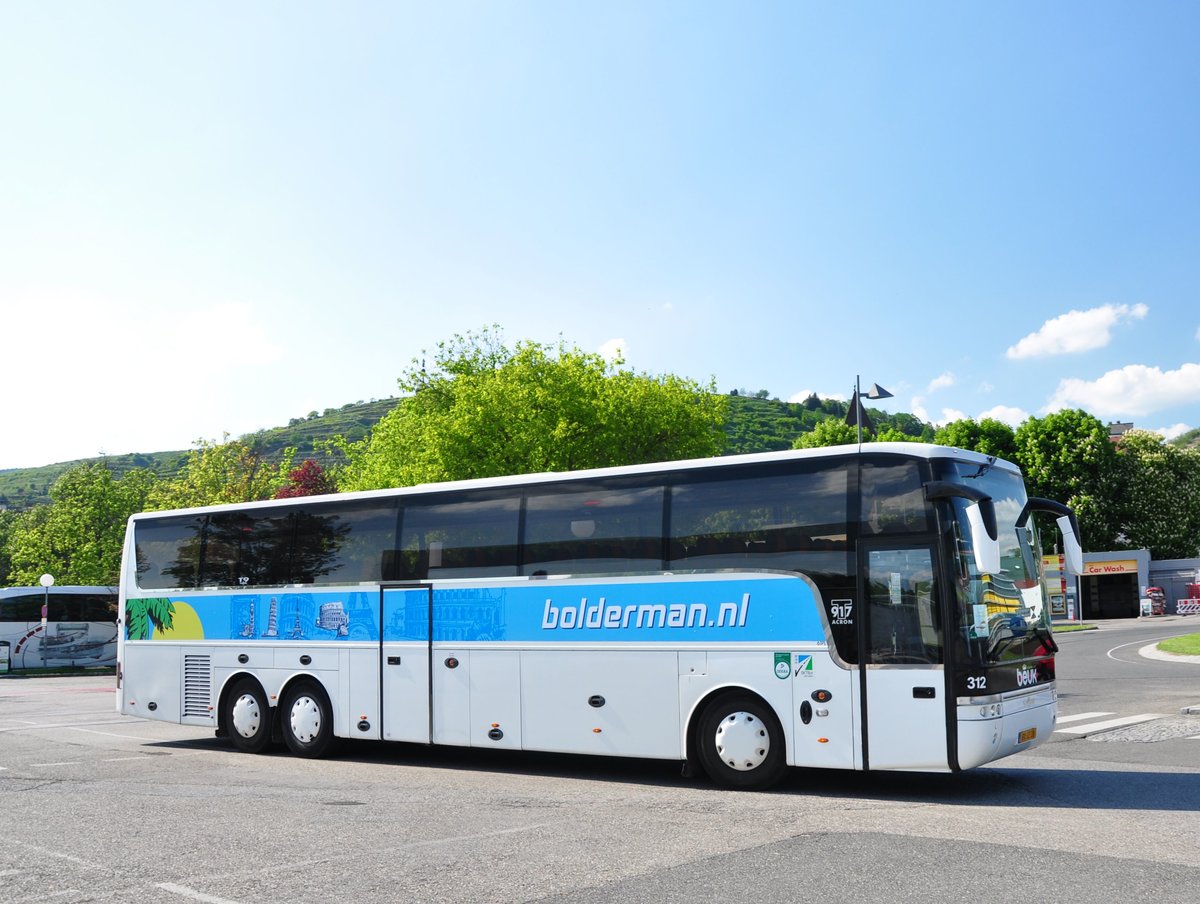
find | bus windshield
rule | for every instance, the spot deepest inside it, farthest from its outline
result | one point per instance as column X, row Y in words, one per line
column 1002, row 616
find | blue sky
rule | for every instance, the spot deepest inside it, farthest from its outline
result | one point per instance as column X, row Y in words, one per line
column 217, row 217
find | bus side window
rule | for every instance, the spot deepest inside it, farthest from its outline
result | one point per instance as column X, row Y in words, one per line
column 168, row 552
column 342, row 543
column 247, row 549
column 460, row 536
column 615, row 527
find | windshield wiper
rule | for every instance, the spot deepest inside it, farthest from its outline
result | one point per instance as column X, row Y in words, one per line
column 983, row 468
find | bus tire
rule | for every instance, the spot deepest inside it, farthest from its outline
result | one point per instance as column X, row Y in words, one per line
column 740, row 742
column 248, row 716
column 306, row 719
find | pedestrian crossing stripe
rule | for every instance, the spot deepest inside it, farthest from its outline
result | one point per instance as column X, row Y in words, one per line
column 1110, row 723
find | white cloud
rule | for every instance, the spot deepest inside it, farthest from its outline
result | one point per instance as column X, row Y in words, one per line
column 797, row 397
column 1006, row 414
column 985, row 386
column 1133, row 391
column 918, row 410
column 1076, row 331
column 614, row 349
column 1171, row 432
column 945, row 381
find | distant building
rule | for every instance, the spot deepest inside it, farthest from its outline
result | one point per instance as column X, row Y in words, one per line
column 1117, row 431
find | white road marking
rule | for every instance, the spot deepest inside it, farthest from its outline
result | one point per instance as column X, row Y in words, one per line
column 193, row 894
column 1111, row 723
column 112, row 734
column 1080, row 717
column 52, row 853
column 39, row 726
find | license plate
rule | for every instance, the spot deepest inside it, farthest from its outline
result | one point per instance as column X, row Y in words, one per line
column 1027, row 735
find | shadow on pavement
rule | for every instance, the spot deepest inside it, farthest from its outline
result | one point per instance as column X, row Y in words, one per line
column 990, row 786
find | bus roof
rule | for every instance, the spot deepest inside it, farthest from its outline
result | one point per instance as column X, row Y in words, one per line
column 901, row 449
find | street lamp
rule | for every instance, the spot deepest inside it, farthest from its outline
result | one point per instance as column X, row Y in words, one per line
column 857, row 413
column 47, row 581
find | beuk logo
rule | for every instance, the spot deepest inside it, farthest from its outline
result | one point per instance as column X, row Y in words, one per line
column 1026, row 676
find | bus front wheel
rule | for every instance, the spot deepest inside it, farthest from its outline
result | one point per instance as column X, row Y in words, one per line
column 307, row 720
column 740, row 743
column 248, row 716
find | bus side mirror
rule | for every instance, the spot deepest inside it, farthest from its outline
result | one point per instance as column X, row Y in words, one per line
column 1068, row 526
column 985, row 543
column 1072, row 550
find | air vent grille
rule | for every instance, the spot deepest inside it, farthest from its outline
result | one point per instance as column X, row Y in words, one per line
column 197, row 686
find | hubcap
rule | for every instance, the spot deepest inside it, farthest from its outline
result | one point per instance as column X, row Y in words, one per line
column 742, row 741
column 305, row 719
column 246, row 716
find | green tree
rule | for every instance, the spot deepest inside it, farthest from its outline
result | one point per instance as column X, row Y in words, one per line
column 79, row 535
column 894, row 435
column 1158, row 496
column 831, row 432
column 988, row 436
column 485, row 410
column 1067, row 456
column 8, row 521
column 230, row 471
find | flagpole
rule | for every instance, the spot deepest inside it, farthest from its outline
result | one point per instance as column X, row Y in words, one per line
column 858, row 408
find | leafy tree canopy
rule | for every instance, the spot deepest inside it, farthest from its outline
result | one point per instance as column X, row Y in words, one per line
column 1158, row 497
column 78, row 537
column 831, row 432
column 230, row 471
column 309, row 479
column 484, row 410
column 988, row 436
column 1067, row 456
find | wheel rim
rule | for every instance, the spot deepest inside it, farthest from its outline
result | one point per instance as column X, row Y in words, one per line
column 247, row 716
column 742, row 741
column 305, row 719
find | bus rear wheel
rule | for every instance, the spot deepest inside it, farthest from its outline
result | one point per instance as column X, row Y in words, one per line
column 740, row 743
column 248, row 716
column 307, row 720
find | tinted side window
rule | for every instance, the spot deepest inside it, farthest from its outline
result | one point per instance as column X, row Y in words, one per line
column 345, row 542
column 582, row 529
column 24, row 608
column 247, row 549
column 82, row 607
column 893, row 498
column 794, row 522
column 459, row 536
column 168, row 551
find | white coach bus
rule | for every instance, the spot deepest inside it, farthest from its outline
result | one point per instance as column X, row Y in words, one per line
column 79, row 627
column 745, row 614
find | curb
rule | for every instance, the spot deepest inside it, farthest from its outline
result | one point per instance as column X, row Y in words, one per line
column 1151, row 651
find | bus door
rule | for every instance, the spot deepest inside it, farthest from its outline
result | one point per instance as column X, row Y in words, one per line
column 440, row 683
column 904, row 659
column 405, row 662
